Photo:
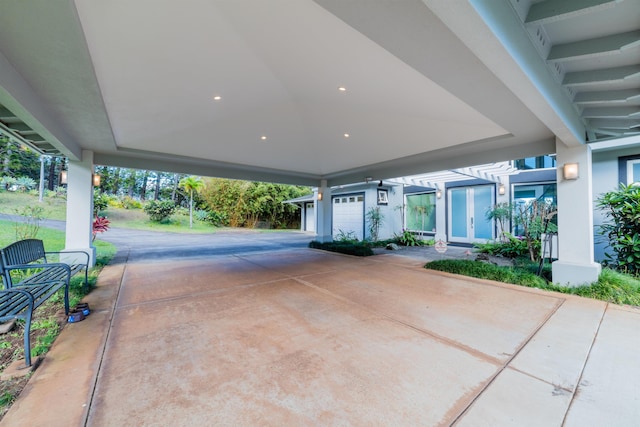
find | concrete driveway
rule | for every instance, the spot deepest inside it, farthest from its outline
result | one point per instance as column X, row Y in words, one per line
column 294, row 336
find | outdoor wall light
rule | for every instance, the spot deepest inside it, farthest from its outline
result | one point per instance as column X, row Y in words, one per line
column 319, row 196
column 570, row 171
column 380, row 183
column 63, row 177
column 501, row 189
column 96, row 180
column 438, row 194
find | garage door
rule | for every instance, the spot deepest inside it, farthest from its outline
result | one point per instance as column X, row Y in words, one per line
column 348, row 216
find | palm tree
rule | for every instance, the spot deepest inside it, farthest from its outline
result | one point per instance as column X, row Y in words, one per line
column 191, row 184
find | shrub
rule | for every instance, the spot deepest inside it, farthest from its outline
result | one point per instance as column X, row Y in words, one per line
column 159, row 211
column 407, row 238
column 622, row 209
column 100, row 225
column 100, row 202
column 24, row 184
column 375, row 219
column 210, row 217
column 129, row 202
column 349, row 248
column 513, row 247
column 29, row 225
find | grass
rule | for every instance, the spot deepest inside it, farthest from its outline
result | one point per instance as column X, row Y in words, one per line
column 611, row 286
column 11, row 202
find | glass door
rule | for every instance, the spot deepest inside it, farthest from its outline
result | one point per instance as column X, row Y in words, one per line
column 467, row 210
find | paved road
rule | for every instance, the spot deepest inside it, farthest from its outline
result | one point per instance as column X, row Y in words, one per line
column 154, row 245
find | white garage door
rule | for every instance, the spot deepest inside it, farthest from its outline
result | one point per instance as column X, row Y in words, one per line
column 348, row 216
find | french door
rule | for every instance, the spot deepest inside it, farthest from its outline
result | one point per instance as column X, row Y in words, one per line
column 467, row 214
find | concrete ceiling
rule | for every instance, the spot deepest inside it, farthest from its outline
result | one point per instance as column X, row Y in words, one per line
column 430, row 85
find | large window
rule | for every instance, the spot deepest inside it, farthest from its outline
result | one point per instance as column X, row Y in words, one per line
column 420, row 212
column 524, row 195
column 540, row 162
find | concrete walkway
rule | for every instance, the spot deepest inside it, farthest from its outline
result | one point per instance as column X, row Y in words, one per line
column 304, row 337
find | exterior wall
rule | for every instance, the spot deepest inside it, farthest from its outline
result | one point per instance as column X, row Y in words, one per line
column 606, row 177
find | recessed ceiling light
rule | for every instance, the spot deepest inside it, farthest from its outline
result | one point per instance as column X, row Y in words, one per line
column 342, row 88
column 346, row 135
column 263, row 137
column 217, row 98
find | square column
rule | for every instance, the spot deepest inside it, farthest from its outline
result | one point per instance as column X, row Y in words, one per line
column 575, row 265
column 79, row 228
column 323, row 213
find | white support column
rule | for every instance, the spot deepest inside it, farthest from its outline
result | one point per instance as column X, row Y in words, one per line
column 80, row 208
column 323, row 213
column 575, row 265
column 441, row 212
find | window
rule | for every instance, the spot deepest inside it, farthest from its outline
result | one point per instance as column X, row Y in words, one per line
column 525, row 194
column 633, row 171
column 420, row 212
column 540, row 162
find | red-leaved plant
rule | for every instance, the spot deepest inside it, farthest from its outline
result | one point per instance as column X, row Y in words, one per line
column 100, row 225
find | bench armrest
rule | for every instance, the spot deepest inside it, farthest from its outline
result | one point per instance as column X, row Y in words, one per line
column 70, row 252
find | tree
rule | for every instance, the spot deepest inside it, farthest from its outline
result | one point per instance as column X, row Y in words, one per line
column 191, row 184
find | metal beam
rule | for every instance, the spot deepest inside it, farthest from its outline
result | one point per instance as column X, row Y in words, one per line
column 553, row 10
column 594, row 47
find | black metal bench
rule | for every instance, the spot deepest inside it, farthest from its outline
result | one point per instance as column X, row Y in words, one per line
column 36, row 282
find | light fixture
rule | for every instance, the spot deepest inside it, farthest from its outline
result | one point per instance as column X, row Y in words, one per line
column 96, row 180
column 319, row 196
column 63, row 177
column 217, row 98
column 342, row 88
column 346, row 135
column 263, row 137
column 501, row 189
column 570, row 171
column 438, row 194
column 380, row 183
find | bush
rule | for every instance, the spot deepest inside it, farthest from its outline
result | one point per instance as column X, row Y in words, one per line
column 513, row 247
column 210, row 217
column 407, row 238
column 622, row 208
column 488, row 271
column 349, row 248
column 129, row 202
column 100, row 203
column 159, row 211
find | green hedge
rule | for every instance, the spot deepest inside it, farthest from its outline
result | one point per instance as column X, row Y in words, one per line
column 349, row 248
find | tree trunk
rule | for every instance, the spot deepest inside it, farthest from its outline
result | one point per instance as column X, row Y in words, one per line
column 51, row 178
column 143, row 189
column 156, row 194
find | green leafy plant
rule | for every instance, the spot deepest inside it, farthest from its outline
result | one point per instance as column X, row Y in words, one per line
column 407, row 238
column 375, row 219
column 345, row 237
column 159, row 211
column 512, row 247
column 191, row 184
column 622, row 209
column 100, row 202
column 535, row 219
column 344, row 247
column 501, row 213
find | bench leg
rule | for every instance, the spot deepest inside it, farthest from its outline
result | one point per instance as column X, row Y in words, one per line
column 27, row 338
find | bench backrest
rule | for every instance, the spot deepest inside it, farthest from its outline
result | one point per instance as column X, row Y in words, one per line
column 21, row 252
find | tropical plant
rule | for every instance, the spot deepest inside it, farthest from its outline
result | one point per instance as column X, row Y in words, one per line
column 375, row 219
column 535, row 219
column 622, row 209
column 24, row 183
column 191, row 184
column 501, row 213
column 407, row 238
column 100, row 225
